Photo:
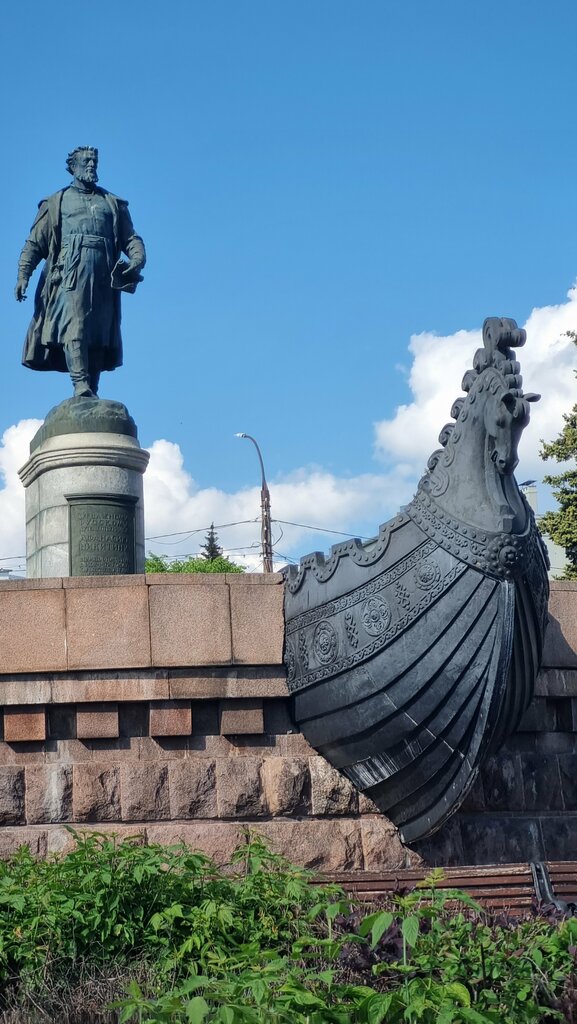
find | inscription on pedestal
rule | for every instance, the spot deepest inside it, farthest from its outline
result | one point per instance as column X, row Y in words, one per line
column 102, row 534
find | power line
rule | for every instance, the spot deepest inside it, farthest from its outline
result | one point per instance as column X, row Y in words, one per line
column 320, row 529
column 201, row 529
column 185, row 534
column 244, row 522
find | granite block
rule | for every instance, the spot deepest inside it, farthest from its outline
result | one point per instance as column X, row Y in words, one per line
column 21, row 753
column 145, row 792
column 332, row 793
column 257, row 624
column 30, row 585
column 108, row 627
column 190, row 625
column 70, row 751
column 11, row 795
column 216, row 839
column 32, row 630
column 507, row 839
column 294, row 745
column 445, row 847
column 241, row 717
column 11, row 839
column 502, row 784
column 192, row 786
column 61, row 841
column 96, row 792
column 568, row 775
column 559, row 836
column 48, row 793
column 560, row 649
column 475, row 798
column 97, row 721
column 539, row 716
column 541, row 782
column 80, row 687
column 192, row 579
column 162, row 748
column 286, row 785
column 25, row 689
column 89, row 582
column 170, row 718
column 24, row 724
column 551, row 743
column 382, row 846
column 239, row 787
column 211, row 684
column 256, row 579
column 318, row 845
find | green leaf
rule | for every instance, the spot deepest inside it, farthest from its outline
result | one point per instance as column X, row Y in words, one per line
column 410, row 930
column 460, row 993
column 197, row 1010
column 378, row 1007
column 381, row 925
column 377, row 924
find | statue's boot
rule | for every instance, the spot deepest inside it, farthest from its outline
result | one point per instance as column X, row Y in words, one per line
column 76, row 363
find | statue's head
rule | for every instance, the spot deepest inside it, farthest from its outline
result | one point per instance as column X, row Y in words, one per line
column 82, row 162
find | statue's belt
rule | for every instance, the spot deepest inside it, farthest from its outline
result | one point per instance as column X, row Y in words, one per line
column 86, row 241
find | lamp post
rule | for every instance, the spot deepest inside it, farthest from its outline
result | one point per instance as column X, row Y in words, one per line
column 265, row 521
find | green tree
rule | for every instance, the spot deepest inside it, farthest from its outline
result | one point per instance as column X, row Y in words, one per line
column 160, row 563
column 211, row 548
column 561, row 524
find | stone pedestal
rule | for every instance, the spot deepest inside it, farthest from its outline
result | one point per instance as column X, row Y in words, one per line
column 83, row 481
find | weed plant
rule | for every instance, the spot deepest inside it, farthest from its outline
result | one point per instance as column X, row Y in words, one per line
column 260, row 944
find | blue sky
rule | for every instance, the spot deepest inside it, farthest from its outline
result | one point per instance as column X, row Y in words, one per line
column 316, row 182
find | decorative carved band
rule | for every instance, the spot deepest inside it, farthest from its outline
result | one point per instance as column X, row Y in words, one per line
column 500, row 555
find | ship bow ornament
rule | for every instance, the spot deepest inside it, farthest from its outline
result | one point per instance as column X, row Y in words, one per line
column 412, row 657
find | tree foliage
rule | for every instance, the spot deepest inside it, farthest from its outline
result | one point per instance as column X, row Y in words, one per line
column 561, row 524
column 211, row 549
column 161, row 563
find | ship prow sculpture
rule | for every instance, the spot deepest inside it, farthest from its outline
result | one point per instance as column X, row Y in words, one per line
column 411, row 658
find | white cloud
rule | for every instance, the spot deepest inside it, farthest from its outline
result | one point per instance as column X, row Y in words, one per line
column 14, row 450
column 547, row 361
column 311, row 495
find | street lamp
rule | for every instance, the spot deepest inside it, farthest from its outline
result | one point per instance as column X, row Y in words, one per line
column 265, row 521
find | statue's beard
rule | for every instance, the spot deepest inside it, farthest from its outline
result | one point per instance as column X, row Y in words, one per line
column 87, row 177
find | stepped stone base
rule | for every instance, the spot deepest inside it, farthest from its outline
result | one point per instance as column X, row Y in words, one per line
column 157, row 706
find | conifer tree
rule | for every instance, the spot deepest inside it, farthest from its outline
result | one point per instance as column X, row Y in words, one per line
column 561, row 524
column 211, row 548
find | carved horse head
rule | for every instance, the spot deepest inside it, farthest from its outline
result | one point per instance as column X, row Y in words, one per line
column 473, row 476
column 505, row 419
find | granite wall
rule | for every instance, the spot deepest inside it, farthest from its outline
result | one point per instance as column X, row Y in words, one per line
column 157, row 705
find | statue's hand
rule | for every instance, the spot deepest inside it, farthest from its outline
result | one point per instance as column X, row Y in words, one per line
column 20, row 289
column 133, row 267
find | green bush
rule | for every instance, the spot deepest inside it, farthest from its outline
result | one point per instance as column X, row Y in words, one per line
column 260, row 944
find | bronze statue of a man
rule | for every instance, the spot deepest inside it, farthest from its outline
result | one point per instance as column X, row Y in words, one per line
column 81, row 232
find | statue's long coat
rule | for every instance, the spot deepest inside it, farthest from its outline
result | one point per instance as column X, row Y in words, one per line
column 42, row 348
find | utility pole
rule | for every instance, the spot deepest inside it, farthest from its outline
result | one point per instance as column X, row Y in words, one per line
column 265, row 520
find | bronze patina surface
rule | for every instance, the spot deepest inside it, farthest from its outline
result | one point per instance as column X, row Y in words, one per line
column 80, row 232
column 411, row 658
